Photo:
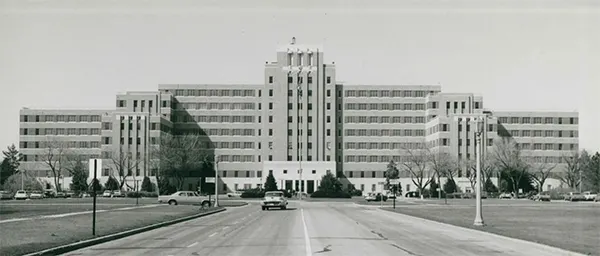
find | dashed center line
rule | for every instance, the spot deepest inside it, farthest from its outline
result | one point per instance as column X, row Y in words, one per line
column 192, row 245
column 225, row 228
column 213, row 234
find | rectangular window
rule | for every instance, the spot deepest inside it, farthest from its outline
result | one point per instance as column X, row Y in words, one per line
column 270, row 79
column 328, row 79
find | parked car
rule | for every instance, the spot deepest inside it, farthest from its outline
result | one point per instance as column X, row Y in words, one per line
column 505, row 196
column 543, row 196
column 574, row 196
column 274, row 199
column 21, row 195
column 107, row 193
column 234, row 194
column 6, row 195
column 412, row 194
column 36, row 195
column 117, row 193
column 589, row 196
column 186, row 197
column 61, row 195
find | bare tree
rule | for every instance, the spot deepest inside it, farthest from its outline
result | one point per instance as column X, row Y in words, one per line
column 179, row 155
column 416, row 166
column 124, row 163
column 540, row 172
column 572, row 170
column 55, row 157
column 441, row 163
column 487, row 170
column 506, row 155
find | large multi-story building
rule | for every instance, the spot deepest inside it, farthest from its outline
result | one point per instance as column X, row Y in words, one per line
column 297, row 124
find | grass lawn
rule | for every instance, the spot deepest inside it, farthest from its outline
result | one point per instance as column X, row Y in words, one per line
column 30, row 236
column 571, row 226
column 34, row 210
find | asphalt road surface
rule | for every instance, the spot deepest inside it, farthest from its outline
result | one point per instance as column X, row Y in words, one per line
column 315, row 228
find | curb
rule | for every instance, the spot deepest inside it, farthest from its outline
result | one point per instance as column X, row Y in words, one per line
column 557, row 250
column 94, row 241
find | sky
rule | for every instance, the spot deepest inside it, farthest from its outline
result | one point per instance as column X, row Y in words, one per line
column 519, row 55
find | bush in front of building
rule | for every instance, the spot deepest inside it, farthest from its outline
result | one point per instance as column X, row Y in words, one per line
column 330, row 194
column 138, row 194
column 253, row 193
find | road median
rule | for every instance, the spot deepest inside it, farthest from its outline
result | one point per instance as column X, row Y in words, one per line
column 60, row 235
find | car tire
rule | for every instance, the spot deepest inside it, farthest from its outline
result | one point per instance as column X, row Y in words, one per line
column 205, row 204
column 172, row 202
column 283, row 208
column 263, row 208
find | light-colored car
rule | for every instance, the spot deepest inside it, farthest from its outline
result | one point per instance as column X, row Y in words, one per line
column 186, row 197
column 370, row 197
column 274, row 199
column 574, row 196
column 543, row 196
column 107, row 193
column 36, row 195
column 5, row 195
column 505, row 196
column 589, row 196
column 234, row 194
column 117, row 193
column 21, row 195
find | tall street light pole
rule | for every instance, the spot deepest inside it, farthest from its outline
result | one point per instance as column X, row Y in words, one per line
column 300, row 148
column 478, row 130
column 216, row 181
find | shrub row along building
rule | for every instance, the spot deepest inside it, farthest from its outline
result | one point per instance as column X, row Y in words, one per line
column 298, row 118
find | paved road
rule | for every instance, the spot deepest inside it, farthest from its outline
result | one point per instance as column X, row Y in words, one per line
column 311, row 228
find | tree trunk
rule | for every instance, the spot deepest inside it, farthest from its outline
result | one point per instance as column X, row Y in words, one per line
column 439, row 187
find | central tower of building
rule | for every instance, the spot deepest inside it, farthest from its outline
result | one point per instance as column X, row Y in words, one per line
column 299, row 106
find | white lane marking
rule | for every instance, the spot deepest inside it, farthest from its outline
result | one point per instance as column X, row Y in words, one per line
column 225, row 228
column 235, row 223
column 306, row 237
column 213, row 234
column 192, row 245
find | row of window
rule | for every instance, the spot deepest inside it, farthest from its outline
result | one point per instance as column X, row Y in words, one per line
column 215, row 92
column 387, row 93
column 39, row 158
column 383, row 145
column 214, row 119
column 540, row 133
column 60, row 118
column 385, row 106
column 384, row 132
column 385, row 119
column 59, row 131
column 538, row 120
column 67, row 144
column 216, row 106
column 548, row 146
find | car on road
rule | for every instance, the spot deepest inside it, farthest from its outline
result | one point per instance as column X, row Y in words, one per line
column 589, row 196
column 21, row 195
column 186, row 197
column 574, row 196
column 274, row 199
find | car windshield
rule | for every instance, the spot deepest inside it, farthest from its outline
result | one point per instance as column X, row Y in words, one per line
column 273, row 194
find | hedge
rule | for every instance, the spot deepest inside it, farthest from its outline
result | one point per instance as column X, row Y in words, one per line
column 325, row 194
column 134, row 194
